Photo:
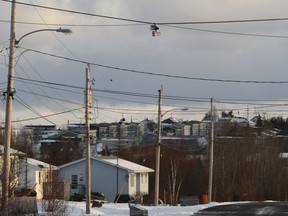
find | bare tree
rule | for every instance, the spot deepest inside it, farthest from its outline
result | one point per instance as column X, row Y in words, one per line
column 247, row 166
column 61, row 152
column 175, row 180
column 53, row 202
column 174, row 165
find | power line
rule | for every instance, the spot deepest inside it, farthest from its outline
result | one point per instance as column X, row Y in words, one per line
column 46, row 116
column 160, row 74
column 224, row 21
column 50, row 83
column 81, row 13
column 38, row 87
column 34, row 82
column 19, row 100
column 54, row 88
column 168, row 97
column 229, row 33
column 149, row 22
column 131, row 25
column 46, row 96
column 75, row 25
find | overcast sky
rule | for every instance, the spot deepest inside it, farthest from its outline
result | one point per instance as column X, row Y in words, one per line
column 247, row 51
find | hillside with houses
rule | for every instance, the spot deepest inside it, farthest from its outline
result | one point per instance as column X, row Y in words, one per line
column 123, row 159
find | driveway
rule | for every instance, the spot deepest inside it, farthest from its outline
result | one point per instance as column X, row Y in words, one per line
column 247, row 209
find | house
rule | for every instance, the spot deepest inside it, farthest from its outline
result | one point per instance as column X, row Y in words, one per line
column 14, row 167
column 172, row 127
column 37, row 131
column 33, row 174
column 27, row 173
column 109, row 175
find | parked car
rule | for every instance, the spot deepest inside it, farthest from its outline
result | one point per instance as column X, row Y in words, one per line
column 77, row 197
column 97, row 196
column 123, row 198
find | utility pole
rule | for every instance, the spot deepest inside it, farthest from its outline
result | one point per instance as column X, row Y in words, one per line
column 247, row 112
column 87, row 112
column 157, row 167
column 8, row 115
column 210, row 188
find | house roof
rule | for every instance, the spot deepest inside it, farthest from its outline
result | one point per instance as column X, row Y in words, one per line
column 30, row 161
column 125, row 164
column 12, row 151
column 170, row 120
column 38, row 163
column 114, row 161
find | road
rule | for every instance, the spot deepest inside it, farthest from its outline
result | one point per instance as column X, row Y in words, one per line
column 247, row 209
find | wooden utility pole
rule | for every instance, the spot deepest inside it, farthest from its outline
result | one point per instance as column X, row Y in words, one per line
column 157, row 167
column 8, row 115
column 210, row 188
column 87, row 113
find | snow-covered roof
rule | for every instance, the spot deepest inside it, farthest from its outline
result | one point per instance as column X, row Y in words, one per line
column 239, row 120
column 47, row 140
column 114, row 161
column 38, row 163
column 12, row 151
column 125, row 164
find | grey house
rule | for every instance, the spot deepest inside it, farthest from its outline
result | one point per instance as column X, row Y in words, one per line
column 109, row 175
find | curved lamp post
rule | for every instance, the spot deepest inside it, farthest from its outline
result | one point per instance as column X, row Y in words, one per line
column 175, row 109
column 157, row 167
column 65, row 31
column 9, row 97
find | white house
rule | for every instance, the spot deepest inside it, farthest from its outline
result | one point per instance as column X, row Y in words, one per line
column 27, row 173
column 33, row 174
column 109, row 175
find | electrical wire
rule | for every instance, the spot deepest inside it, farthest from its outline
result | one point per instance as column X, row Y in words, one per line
column 149, row 22
column 160, row 74
column 171, row 26
column 229, row 33
column 80, row 13
column 46, row 116
column 40, row 89
column 181, row 98
column 22, row 102
column 46, row 96
column 71, row 25
column 51, row 87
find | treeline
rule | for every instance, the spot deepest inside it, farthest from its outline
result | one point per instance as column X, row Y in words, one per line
column 250, row 167
column 247, row 166
column 279, row 123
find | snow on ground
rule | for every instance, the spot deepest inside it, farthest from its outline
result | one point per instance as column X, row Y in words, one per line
column 112, row 209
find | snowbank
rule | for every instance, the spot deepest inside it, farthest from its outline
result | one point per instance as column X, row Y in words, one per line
column 112, row 209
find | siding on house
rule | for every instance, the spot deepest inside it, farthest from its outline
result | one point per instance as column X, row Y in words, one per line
column 109, row 175
column 33, row 174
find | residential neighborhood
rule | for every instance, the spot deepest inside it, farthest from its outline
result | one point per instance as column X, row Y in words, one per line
column 129, row 107
column 112, row 175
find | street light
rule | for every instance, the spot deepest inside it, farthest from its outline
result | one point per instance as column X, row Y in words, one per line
column 9, row 97
column 157, row 167
column 175, row 109
column 64, row 31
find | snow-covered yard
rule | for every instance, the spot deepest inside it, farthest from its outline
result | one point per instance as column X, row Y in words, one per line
column 111, row 209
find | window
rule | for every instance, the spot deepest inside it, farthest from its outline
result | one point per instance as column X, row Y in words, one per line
column 39, row 177
column 132, row 179
column 74, row 181
column 142, row 177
